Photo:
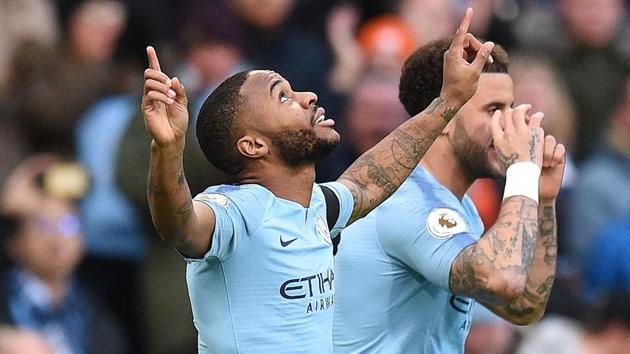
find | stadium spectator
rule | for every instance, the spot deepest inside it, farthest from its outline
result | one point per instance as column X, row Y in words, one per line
column 490, row 334
column 40, row 291
column 52, row 84
column 115, row 242
column 592, row 59
column 24, row 21
column 602, row 329
column 602, row 190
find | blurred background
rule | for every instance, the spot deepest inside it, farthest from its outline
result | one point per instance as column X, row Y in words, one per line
column 81, row 268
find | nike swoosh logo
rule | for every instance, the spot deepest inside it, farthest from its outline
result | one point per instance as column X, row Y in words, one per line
column 286, row 243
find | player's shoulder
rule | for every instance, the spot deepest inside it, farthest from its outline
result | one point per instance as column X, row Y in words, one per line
column 415, row 198
column 424, row 205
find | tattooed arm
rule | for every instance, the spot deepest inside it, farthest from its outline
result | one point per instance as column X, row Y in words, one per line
column 494, row 270
column 530, row 306
column 183, row 224
column 380, row 171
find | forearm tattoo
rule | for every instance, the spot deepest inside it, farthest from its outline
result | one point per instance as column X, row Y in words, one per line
column 506, row 160
column 548, row 234
column 184, row 211
column 506, row 248
column 153, row 187
column 169, row 196
column 531, row 305
column 533, row 142
column 181, row 179
column 448, row 111
column 381, row 170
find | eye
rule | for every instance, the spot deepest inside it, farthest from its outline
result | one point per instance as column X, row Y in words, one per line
column 493, row 109
column 283, row 97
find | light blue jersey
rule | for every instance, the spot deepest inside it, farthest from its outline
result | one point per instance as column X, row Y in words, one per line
column 267, row 284
column 392, row 272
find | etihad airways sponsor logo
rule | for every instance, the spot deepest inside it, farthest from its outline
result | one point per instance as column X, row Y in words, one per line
column 317, row 288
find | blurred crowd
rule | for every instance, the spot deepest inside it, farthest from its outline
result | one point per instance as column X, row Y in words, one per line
column 81, row 269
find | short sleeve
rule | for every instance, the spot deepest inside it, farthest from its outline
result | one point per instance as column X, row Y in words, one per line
column 425, row 240
column 236, row 215
column 346, row 204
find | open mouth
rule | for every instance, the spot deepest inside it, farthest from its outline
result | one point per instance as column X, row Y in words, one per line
column 320, row 118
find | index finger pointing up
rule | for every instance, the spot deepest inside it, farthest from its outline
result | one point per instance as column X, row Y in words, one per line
column 153, row 59
column 460, row 34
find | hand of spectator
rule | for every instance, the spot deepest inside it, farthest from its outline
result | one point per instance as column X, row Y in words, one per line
column 20, row 193
column 349, row 58
column 519, row 138
column 463, row 62
column 554, row 155
column 164, row 104
column 340, row 27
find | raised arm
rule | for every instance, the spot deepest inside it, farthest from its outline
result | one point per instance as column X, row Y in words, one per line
column 495, row 270
column 375, row 175
column 181, row 223
column 530, row 306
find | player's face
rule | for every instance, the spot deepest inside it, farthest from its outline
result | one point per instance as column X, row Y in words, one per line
column 471, row 138
column 296, row 127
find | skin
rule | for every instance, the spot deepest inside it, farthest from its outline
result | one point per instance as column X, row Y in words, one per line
column 271, row 107
column 15, row 341
column 512, row 267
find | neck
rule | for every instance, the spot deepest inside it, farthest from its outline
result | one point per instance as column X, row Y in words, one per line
column 294, row 184
column 443, row 166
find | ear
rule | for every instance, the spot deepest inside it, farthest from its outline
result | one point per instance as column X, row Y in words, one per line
column 252, row 147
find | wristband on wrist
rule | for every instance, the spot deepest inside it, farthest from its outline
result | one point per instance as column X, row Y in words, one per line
column 521, row 178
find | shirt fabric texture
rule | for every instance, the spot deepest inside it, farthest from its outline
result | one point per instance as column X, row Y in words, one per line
column 267, row 284
column 393, row 270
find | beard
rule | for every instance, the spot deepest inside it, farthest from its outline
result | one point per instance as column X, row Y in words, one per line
column 472, row 157
column 298, row 147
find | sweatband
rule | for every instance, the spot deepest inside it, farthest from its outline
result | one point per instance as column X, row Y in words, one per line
column 521, row 178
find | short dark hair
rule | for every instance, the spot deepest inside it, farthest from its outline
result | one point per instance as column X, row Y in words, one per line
column 421, row 78
column 218, row 124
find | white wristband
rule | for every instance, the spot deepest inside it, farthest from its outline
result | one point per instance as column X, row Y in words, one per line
column 521, row 178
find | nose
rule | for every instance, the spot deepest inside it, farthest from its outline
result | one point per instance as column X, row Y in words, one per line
column 308, row 99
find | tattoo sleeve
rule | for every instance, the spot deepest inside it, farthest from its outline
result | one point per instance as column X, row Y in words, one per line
column 381, row 170
column 530, row 306
column 494, row 270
